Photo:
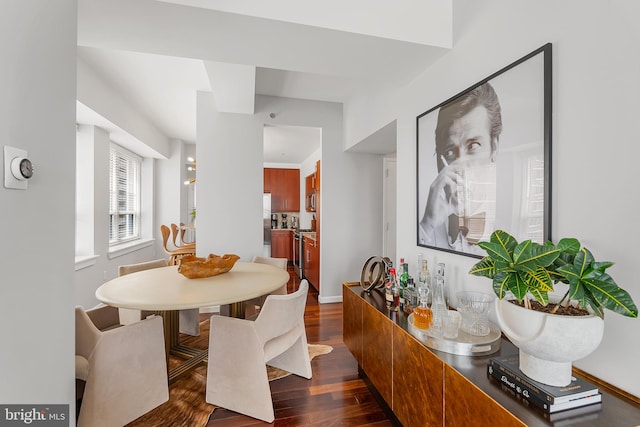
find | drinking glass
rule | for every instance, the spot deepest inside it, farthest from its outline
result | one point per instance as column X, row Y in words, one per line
column 474, row 309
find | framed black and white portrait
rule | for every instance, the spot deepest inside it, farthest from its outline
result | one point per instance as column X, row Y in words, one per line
column 484, row 160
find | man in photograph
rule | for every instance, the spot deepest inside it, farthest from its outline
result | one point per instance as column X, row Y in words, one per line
column 460, row 208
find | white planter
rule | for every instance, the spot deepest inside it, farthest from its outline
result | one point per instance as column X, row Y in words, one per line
column 548, row 343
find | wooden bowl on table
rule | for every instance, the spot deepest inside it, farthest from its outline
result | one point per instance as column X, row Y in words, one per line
column 193, row 267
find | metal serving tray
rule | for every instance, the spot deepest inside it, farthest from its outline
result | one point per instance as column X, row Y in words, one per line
column 465, row 344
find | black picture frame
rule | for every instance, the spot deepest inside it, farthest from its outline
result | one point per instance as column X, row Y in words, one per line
column 473, row 179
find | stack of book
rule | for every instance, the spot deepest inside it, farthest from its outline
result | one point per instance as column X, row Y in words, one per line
column 551, row 399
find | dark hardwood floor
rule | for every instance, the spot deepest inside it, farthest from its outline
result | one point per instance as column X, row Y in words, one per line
column 335, row 396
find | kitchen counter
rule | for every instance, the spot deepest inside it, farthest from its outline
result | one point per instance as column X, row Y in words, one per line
column 309, row 234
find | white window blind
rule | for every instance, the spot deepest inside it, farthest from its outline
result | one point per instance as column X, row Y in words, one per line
column 124, row 196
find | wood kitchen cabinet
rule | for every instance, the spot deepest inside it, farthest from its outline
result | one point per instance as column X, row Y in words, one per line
column 284, row 186
column 282, row 244
column 311, row 253
column 310, row 193
column 312, row 189
column 267, row 179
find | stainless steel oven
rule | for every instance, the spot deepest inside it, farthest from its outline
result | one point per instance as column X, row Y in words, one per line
column 298, row 259
column 297, row 250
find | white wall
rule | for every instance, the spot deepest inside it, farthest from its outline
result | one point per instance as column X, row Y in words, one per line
column 429, row 21
column 171, row 193
column 105, row 266
column 163, row 196
column 130, row 128
column 37, row 113
column 229, row 194
column 595, row 91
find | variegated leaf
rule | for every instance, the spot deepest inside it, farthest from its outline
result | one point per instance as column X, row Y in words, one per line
column 518, row 287
column 496, row 251
column 541, row 296
column 610, row 296
column 484, row 268
column 539, row 280
column 501, row 283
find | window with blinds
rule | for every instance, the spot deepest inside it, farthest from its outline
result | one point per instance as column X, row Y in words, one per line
column 124, row 196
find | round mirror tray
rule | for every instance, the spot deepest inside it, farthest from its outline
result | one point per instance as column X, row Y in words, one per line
column 465, row 344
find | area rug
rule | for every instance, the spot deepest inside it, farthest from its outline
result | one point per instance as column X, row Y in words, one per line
column 186, row 406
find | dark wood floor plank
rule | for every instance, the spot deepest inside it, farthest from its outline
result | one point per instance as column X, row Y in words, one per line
column 335, row 396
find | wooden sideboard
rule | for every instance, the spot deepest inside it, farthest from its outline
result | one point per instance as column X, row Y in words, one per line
column 425, row 387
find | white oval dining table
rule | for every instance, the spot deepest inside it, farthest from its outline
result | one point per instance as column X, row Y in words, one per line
column 166, row 291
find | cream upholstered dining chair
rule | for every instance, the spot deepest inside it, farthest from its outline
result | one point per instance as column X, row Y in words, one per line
column 252, row 307
column 189, row 318
column 240, row 349
column 112, row 317
column 123, row 370
column 129, row 315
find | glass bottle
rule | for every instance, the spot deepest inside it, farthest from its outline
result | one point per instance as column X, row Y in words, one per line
column 392, row 293
column 404, row 278
column 422, row 314
column 445, row 288
column 438, row 306
column 424, row 279
column 405, row 294
column 388, row 291
column 401, row 281
column 410, row 296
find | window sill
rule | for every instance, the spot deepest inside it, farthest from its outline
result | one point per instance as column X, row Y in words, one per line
column 85, row 261
column 126, row 248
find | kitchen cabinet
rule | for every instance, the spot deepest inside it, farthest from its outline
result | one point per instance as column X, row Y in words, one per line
column 267, row 178
column 282, row 244
column 312, row 189
column 284, row 186
column 311, row 251
column 310, row 193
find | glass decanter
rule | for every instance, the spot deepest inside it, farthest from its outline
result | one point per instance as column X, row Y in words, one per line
column 422, row 314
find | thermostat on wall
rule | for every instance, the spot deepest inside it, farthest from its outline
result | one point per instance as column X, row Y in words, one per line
column 17, row 168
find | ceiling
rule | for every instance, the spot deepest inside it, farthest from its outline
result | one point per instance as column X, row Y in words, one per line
column 158, row 54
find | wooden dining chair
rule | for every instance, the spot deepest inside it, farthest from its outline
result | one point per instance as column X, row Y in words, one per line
column 183, row 232
column 174, row 254
column 175, row 231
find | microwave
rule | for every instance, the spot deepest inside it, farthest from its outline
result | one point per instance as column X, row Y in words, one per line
column 311, row 202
